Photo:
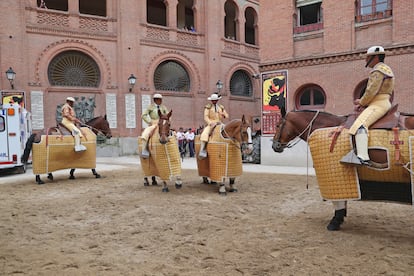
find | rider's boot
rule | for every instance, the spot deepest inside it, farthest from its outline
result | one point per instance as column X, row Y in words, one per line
column 358, row 156
column 145, row 152
column 203, row 153
column 78, row 146
column 361, row 142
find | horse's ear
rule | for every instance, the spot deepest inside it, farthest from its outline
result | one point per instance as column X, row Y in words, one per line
column 105, row 117
column 243, row 119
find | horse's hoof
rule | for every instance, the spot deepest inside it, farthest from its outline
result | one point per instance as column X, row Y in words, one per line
column 50, row 176
column 213, row 182
column 154, row 183
column 72, row 177
column 40, row 182
column 165, row 190
column 223, row 193
column 178, row 185
column 205, row 180
column 233, row 190
column 97, row 175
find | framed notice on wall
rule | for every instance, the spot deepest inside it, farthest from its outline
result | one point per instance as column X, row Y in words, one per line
column 274, row 95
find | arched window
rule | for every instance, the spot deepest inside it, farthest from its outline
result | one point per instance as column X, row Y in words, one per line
column 249, row 27
column 230, row 20
column 171, row 76
column 156, row 12
column 73, row 68
column 241, row 84
column 311, row 97
column 185, row 15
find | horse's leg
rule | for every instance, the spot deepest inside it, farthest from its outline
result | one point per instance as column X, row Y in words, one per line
column 222, row 189
column 146, row 183
column 38, row 180
column 205, row 180
column 97, row 175
column 178, row 183
column 71, row 176
column 232, row 181
column 340, row 214
column 154, row 181
column 50, row 176
column 165, row 188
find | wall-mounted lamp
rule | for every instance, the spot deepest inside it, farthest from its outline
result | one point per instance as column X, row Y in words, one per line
column 10, row 74
column 131, row 80
column 219, row 85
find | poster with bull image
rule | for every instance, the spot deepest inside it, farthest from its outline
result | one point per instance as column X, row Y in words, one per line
column 274, row 95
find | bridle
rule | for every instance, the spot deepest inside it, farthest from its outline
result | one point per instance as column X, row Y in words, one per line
column 244, row 130
column 295, row 140
column 162, row 132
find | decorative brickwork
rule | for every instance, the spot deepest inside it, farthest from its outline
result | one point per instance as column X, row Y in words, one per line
column 93, row 24
column 187, row 38
column 53, row 19
column 157, row 33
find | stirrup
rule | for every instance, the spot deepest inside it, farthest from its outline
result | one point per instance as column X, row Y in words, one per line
column 145, row 154
column 202, row 154
column 351, row 159
column 79, row 148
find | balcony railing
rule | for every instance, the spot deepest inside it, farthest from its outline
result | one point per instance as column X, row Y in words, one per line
column 308, row 28
column 373, row 16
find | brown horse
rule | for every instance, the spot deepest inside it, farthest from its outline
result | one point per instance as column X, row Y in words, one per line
column 320, row 129
column 167, row 148
column 99, row 125
column 238, row 134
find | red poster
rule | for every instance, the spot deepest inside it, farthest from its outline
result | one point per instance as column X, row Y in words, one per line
column 274, row 95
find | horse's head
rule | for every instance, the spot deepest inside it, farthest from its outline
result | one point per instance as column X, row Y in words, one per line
column 100, row 125
column 246, row 136
column 164, row 126
column 240, row 131
column 280, row 140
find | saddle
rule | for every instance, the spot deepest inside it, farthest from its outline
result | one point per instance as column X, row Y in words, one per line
column 392, row 120
column 389, row 121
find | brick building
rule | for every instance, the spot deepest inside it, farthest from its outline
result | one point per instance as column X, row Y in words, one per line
column 320, row 46
column 88, row 49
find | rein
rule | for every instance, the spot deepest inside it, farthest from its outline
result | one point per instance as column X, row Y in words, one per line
column 92, row 128
column 295, row 140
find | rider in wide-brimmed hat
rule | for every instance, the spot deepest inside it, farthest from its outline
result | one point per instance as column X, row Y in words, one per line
column 69, row 120
column 151, row 117
column 375, row 103
column 213, row 114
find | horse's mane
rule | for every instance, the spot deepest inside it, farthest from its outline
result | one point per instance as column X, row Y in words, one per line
column 94, row 119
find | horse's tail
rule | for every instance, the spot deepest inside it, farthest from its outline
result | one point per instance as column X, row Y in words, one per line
column 28, row 148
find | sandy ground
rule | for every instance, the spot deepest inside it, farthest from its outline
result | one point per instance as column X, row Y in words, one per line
column 274, row 225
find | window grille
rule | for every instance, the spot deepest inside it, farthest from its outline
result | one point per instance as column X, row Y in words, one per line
column 73, row 68
column 171, row 76
column 241, row 84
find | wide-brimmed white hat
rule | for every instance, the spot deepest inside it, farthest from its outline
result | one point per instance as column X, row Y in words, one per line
column 157, row 96
column 214, row 97
column 375, row 50
column 70, row 99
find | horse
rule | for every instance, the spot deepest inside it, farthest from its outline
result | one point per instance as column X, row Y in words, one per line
column 98, row 126
column 224, row 153
column 329, row 141
column 164, row 160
